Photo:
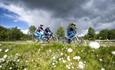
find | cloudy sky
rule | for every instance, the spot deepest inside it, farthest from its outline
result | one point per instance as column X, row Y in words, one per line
column 99, row 14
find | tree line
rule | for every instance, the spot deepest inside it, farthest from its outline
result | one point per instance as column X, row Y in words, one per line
column 105, row 34
column 13, row 34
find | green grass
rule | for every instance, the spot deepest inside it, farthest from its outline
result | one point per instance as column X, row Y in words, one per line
column 41, row 56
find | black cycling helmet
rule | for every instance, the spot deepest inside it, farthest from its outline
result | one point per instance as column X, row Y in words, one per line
column 72, row 24
column 41, row 25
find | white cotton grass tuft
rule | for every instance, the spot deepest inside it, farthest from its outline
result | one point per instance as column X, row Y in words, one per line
column 113, row 52
column 69, row 50
column 94, row 44
column 81, row 65
column 77, row 58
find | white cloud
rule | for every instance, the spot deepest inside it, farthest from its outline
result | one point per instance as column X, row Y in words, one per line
column 109, row 25
column 25, row 31
column 32, row 17
column 99, row 7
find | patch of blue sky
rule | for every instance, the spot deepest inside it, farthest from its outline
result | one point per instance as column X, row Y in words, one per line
column 9, row 19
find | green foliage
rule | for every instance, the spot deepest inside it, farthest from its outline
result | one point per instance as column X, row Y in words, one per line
column 14, row 34
column 3, row 33
column 51, row 56
column 12, row 63
column 60, row 32
column 31, row 31
column 106, row 34
column 10, row 34
column 91, row 34
column 103, row 34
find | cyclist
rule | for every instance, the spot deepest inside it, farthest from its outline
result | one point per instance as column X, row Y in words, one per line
column 71, row 32
column 48, row 33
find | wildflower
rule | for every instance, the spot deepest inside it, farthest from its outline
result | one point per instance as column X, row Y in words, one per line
column 0, row 50
column 84, row 61
column 39, row 50
column 0, row 66
column 25, row 69
column 54, row 57
column 100, row 59
column 54, row 66
column 68, row 58
column 64, row 61
column 81, row 65
column 62, row 58
column 113, row 52
column 26, row 61
column 50, row 50
column 18, row 60
column 10, row 68
column 61, row 53
column 6, row 50
column 102, row 69
column 53, row 63
column 59, row 59
column 5, row 56
column 56, row 61
column 68, row 66
column 71, row 64
column 70, row 50
column 94, row 45
column 72, row 67
column 77, row 58
column 113, row 62
column 17, row 54
column 2, row 60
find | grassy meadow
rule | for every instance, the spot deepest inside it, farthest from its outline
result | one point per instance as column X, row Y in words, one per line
column 55, row 56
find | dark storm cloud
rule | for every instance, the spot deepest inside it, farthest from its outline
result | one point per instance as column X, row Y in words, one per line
column 71, row 8
column 60, row 8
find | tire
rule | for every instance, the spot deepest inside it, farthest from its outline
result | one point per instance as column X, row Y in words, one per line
column 80, row 40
